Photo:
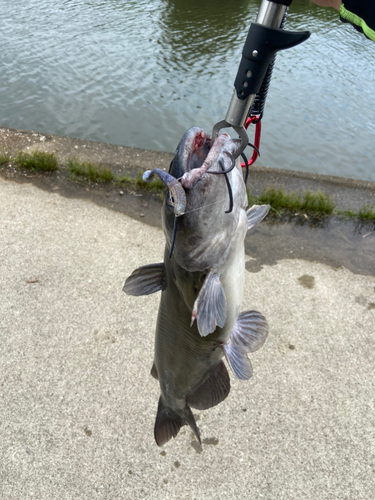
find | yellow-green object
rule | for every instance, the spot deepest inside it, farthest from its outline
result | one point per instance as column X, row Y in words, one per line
column 357, row 22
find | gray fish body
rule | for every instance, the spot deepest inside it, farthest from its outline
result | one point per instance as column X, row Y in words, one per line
column 202, row 282
column 183, row 358
column 208, row 239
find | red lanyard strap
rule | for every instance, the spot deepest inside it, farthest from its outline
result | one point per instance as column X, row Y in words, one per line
column 258, row 129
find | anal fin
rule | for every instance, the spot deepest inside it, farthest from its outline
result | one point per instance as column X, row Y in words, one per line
column 210, row 307
column 146, row 280
column 213, row 391
column 250, row 331
column 255, row 214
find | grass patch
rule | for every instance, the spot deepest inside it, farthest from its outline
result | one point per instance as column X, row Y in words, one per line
column 367, row 213
column 4, row 157
column 37, row 160
column 90, row 171
column 346, row 214
column 311, row 203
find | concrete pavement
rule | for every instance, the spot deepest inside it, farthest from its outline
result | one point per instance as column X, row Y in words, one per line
column 77, row 402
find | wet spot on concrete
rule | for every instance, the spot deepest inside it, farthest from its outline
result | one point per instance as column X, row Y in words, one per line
column 307, row 281
column 272, row 241
column 177, row 464
column 361, row 300
column 163, row 453
column 165, row 481
column 292, row 347
column 371, row 305
column 253, row 266
column 87, row 431
column 212, row 440
column 197, row 447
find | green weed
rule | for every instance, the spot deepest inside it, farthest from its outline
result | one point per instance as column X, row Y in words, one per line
column 367, row 213
column 90, row 171
column 311, row 203
column 37, row 160
column 4, row 157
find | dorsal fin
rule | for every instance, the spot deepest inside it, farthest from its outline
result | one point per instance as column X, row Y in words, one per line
column 154, row 372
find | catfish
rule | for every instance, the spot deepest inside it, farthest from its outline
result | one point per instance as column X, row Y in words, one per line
column 205, row 220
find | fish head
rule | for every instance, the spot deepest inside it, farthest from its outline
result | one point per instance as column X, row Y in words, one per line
column 214, row 201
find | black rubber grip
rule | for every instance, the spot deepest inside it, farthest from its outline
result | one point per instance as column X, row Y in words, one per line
column 282, row 2
column 261, row 45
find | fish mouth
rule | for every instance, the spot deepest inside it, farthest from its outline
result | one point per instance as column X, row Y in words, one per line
column 199, row 148
column 207, row 157
column 191, row 152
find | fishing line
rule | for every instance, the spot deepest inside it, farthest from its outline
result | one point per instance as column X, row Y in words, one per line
column 173, row 236
column 176, row 221
column 203, row 206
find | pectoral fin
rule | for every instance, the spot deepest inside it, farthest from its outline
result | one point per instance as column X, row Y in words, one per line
column 255, row 214
column 238, row 361
column 213, row 391
column 250, row 331
column 146, row 280
column 210, row 307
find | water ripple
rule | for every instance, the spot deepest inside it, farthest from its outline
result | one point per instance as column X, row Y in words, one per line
column 140, row 73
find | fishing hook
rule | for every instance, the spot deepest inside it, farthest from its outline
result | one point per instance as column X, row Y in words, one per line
column 246, row 166
column 254, row 147
column 224, row 171
column 220, row 162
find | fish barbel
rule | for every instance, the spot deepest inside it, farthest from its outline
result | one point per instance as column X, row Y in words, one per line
column 205, row 222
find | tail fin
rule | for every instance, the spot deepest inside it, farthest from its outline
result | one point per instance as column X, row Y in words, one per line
column 168, row 423
column 191, row 421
